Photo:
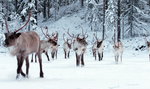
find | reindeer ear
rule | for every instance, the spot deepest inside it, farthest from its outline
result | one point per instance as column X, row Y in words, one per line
column 17, row 35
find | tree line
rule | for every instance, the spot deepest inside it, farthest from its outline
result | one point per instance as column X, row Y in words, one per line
column 125, row 18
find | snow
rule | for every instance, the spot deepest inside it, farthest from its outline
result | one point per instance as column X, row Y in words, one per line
column 132, row 73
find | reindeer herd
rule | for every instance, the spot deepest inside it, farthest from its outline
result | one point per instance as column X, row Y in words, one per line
column 23, row 44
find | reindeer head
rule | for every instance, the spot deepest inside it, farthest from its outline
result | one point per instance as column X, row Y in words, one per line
column 67, row 41
column 79, row 41
column 98, row 41
column 118, row 45
column 52, row 39
column 82, row 40
column 11, row 37
column 55, row 36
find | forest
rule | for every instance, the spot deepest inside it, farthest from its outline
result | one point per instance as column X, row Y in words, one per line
column 126, row 18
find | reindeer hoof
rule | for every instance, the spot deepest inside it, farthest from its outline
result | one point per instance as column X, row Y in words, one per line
column 77, row 65
column 18, row 75
column 27, row 76
column 23, row 74
column 41, row 75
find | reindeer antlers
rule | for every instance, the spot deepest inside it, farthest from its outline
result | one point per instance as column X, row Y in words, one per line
column 46, row 35
column 6, row 25
column 95, row 35
column 70, row 34
column 84, row 34
column 25, row 23
column 19, row 28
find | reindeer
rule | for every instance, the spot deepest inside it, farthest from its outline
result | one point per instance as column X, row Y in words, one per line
column 118, row 50
column 98, row 47
column 46, row 45
column 66, row 47
column 54, row 48
column 23, row 44
column 148, row 45
column 79, row 46
column 54, row 40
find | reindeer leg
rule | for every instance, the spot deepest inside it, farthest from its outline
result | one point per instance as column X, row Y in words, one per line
column 94, row 53
column 68, row 53
column 56, row 54
column 27, row 66
column 102, row 56
column 52, row 54
column 19, row 69
column 65, row 53
column 18, row 61
column 40, row 64
column 149, row 57
column 32, row 58
column 99, row 56
column 121, row 57
column 117, row 58
column 77, row 59
column 82, row 59
column 22, row 73
column 35, row 57
column 47, row 56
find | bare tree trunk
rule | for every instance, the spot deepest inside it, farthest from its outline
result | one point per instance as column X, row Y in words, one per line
column 82, row 3
column 48, row 11
column 131, row 26
column 123, row 28
column 104, row 10
column 118, row 23
column 16, row 5
column 44, row 10
column 3, row 13
column 115, row 31
column 131, row 18
column 36, row 12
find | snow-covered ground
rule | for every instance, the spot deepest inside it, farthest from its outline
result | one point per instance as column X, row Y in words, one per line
column 132, row 73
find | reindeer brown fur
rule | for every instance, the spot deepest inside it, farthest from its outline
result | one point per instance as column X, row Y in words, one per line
column 22, row 45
